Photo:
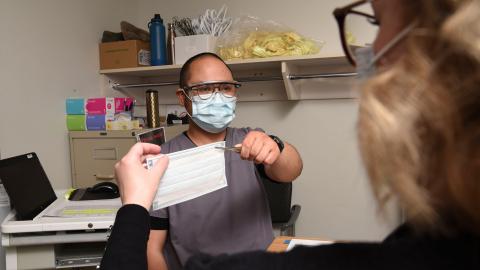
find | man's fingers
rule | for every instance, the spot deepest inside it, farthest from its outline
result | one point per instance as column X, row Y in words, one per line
column 262, row 155
column 271, row 157
column 256, row 148
column 245, row 152
column 247, row 145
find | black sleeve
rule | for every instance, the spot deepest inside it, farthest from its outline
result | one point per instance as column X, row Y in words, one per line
column 127, row 245
column 344, row 256
column 157, row 223
column 305, row 258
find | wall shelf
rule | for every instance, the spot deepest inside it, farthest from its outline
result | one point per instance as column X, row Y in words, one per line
column 277, row 78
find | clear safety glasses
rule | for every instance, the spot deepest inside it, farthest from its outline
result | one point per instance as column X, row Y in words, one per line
column 205, row 90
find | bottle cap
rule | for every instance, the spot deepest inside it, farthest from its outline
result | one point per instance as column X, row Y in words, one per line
column 157, row 18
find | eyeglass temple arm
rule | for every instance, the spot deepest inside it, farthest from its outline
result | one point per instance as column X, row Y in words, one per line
column 344, row 10
column 363, row 14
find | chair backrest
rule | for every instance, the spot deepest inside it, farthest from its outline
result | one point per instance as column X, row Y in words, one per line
column 279, row 199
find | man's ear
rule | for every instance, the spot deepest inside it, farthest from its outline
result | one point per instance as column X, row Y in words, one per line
column 181, row 97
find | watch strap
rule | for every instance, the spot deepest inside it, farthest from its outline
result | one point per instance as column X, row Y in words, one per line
column 278, row 141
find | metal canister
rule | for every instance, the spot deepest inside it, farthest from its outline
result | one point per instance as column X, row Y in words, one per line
column 153, row 117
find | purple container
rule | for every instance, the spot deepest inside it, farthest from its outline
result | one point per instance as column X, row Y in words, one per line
column 96, row 122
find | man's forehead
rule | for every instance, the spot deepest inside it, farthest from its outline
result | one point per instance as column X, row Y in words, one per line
column 211, row 60
column 208, row 69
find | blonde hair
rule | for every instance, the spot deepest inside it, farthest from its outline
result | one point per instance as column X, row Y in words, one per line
column 419, row 121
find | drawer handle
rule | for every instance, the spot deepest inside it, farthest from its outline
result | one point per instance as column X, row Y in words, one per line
column 102, row 177
column 105, row 153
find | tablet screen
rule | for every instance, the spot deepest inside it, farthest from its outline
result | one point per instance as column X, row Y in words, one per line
column 27, row 185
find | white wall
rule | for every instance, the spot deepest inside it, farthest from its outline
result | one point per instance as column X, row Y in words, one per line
column 332, row 190
column 49, row 51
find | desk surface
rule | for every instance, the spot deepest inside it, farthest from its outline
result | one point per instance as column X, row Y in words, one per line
column 49, row 223
column 280, row 243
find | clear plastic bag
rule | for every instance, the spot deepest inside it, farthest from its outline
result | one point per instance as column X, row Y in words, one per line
column 251, row 37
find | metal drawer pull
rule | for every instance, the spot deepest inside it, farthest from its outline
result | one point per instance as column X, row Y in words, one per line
column 105, row 153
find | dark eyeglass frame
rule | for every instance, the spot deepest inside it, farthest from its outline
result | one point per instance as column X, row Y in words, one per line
column 190, row 88
column 340, row 14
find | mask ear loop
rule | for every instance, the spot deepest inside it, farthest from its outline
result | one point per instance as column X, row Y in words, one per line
column 186, row 95
column 393, row 42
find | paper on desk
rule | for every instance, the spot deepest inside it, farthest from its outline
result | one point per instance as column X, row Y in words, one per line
column 191, row 173
column 89, row 208
column 306, row 242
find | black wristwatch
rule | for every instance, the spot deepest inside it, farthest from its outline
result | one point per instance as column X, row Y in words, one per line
column 278, row 141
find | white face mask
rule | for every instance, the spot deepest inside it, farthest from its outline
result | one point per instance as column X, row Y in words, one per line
column 191, row 173
column 366, row 58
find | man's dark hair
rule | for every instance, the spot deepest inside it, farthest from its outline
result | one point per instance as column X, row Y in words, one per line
column 184, row 72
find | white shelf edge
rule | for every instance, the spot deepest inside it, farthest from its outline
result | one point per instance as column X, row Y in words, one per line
column 286, row 66
column 231, row 62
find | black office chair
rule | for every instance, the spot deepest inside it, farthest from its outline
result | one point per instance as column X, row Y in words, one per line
column 280, row 199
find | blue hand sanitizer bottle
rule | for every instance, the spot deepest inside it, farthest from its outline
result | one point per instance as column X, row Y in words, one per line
column 158, row 43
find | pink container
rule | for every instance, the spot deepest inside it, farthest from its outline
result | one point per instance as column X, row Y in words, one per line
column 95, row 106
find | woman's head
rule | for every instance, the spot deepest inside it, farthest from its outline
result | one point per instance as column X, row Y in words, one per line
column 419, row 123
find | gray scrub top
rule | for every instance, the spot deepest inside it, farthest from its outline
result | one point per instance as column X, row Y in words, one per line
column 233, row 219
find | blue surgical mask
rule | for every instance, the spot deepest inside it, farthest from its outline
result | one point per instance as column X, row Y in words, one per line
column 215, row 113
column 366, row 57
column 365, row 62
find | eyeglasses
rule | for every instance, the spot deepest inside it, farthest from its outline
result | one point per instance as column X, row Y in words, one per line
column 205, row 90
column 358, row 27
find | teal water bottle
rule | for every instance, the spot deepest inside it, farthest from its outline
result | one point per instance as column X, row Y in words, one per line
column 158, row 49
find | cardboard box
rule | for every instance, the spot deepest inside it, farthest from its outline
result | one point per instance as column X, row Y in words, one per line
column 124, row 54
column 123, row 125
column 188, row 46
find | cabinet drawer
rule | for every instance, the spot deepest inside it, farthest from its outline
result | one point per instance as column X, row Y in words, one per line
column 94, row 159
column 93, row 154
